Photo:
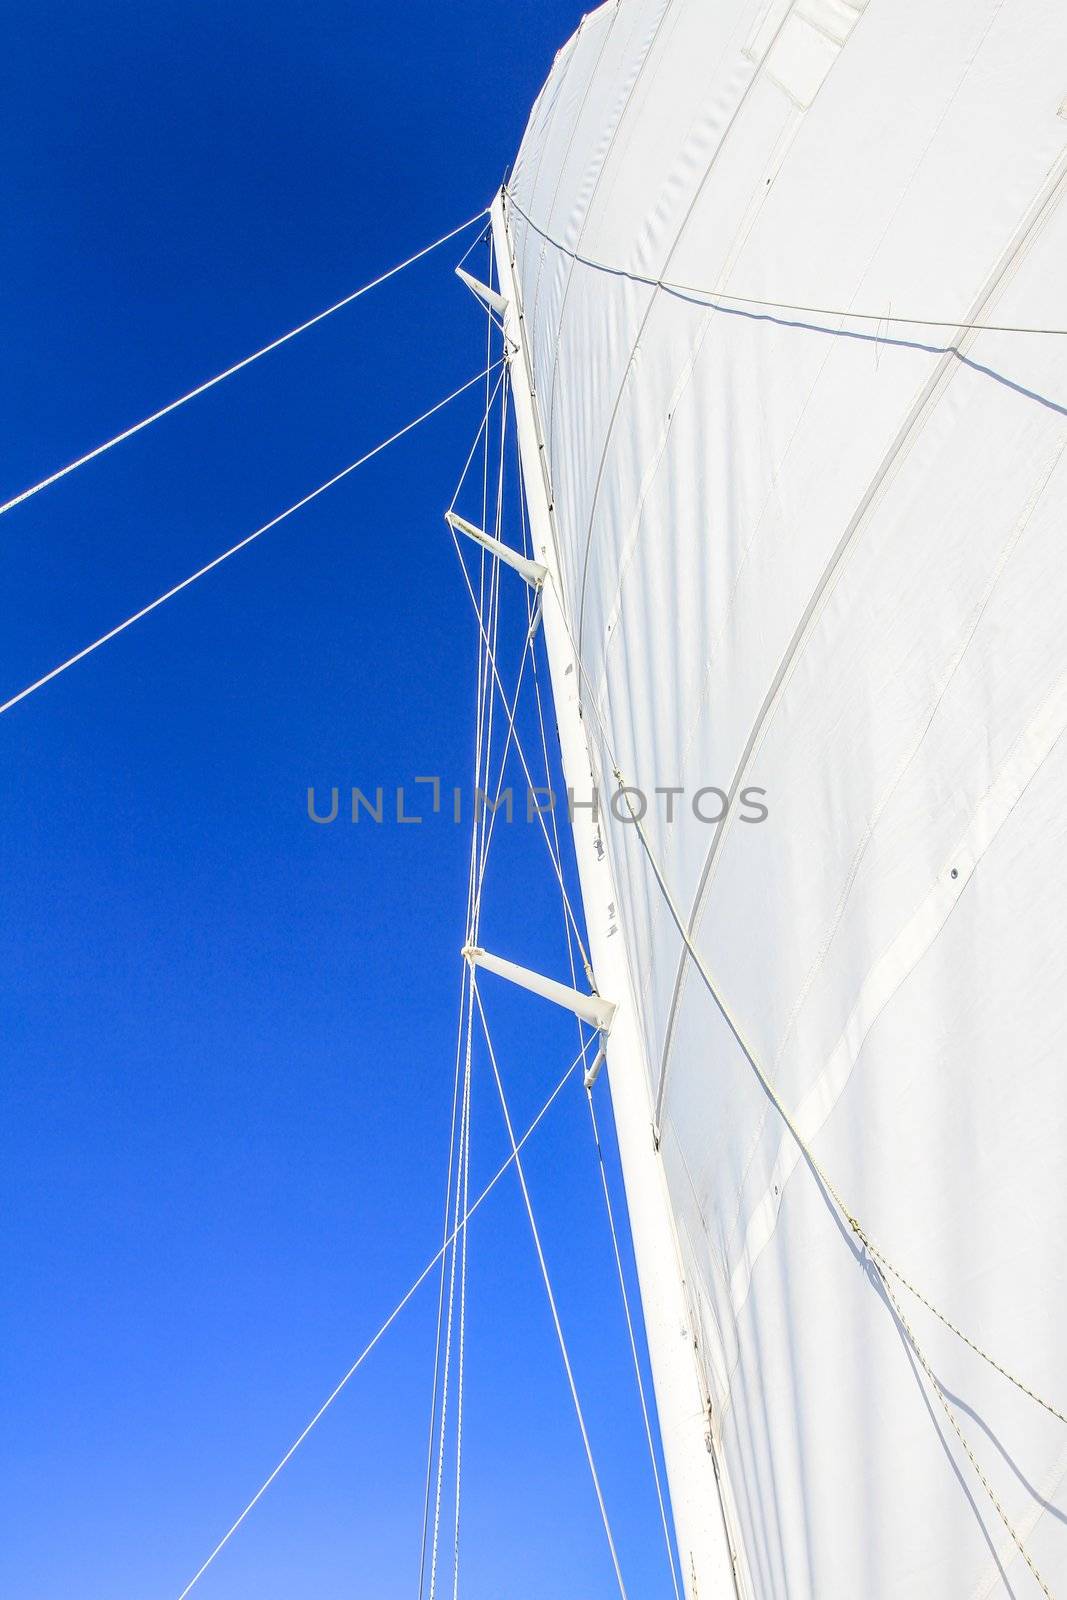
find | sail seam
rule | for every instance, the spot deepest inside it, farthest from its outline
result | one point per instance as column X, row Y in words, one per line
column 773, row 166
column 929, row 713
column 701, row 295
column 927, row 400
column 1046, row 1493
column 534, row 461
column 1028, row 753
column 963, row 872
column 853, row 1222
column 912, row 943
column 608, row 31
column 601, row 170
column 556, row 81
column 609, row 434
column 950, row 1414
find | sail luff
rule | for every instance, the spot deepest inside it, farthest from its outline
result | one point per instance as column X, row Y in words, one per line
column 815, row 561
column 682, row 1404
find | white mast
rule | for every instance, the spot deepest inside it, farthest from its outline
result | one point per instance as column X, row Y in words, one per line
column 684, row 1419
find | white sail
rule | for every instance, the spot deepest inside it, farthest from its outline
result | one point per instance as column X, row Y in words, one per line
column 806, row 519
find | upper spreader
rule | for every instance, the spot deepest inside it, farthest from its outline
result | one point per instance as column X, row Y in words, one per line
column 812, row 527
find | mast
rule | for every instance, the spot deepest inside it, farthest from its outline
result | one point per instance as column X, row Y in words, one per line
column 682, row 1406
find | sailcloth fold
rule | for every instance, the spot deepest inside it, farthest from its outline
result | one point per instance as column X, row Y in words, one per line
column 820, row 554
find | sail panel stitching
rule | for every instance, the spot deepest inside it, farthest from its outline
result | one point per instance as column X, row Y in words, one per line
column 816, row 1167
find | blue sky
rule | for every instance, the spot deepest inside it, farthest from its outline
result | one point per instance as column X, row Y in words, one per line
column 227, row 1032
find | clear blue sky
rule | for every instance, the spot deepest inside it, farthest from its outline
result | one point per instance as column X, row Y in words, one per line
column 227, row 1033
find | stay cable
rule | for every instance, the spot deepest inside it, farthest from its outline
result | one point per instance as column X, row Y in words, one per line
column 210, row 566
column 229, row 372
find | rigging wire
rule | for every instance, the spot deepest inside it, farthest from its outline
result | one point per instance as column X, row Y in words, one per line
column 878, row 1261
column 463, row 1028
column 464, row 1138
column 441, row 1284
column 512, row 731
column 201, row 572
column 478, row 849
column 484, row 820
column 482, row 757
column 551, row 1296
column 462, row 1170
column 527, row 655
column 478, row 239
column 390, row 1319
column 477, row 440
column 456, row 1146
column 874, row 1255
column 950, row 1413
column 585, row 1044
column 493, row 806
column 523, row 760
column 715, row 296
column 492, row 568
column 238, row 366
column 882, row 1261
column 463, row 1184
column 646, row 1419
